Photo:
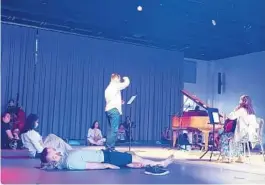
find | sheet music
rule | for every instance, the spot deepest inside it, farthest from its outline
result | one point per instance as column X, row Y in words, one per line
column 216, row 117
column 131, row 100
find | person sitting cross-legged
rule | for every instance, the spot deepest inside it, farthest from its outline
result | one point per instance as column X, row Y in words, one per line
column 102, row 159
column 94, row 135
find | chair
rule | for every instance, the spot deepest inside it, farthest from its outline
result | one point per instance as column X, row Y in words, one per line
column 260, row 135
column 258, row 139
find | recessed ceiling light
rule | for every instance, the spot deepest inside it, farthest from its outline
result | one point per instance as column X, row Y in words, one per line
column 214, row 22
column 139, row 8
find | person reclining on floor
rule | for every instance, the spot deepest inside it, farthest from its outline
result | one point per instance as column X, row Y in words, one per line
column 98, row 159
column 33, row 141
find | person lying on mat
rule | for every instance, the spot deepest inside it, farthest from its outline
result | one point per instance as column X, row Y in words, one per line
column 33, row 141
column 100, row 159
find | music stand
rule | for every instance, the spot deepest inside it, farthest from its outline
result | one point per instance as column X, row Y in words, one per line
column 131, row 100
column 214, row 118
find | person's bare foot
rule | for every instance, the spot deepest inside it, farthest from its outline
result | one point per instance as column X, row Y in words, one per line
column 225, row 160
column 240, row 160
column 168, row 161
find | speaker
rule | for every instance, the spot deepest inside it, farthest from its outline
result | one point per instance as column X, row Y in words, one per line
column 219, row 83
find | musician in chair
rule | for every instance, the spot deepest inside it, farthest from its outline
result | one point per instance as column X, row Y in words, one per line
column 122, row 136
column 165, row 136
column 128, row 125
column 239, row 127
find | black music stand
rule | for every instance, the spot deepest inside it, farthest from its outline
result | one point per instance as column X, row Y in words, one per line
column 130, row 123
column 214, row 118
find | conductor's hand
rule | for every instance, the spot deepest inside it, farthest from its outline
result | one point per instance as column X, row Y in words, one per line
column 125, row 78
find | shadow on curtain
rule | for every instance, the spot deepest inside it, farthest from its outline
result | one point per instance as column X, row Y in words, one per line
column 72, row 73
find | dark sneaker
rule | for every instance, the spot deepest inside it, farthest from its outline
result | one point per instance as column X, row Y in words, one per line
column 156, row 170
column 13, row 144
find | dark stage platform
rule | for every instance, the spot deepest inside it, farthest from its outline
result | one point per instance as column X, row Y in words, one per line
column 17, row 168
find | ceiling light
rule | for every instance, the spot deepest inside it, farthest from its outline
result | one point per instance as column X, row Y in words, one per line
column 213, row 22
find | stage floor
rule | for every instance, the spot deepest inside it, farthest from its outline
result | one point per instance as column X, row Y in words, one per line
column 17, row 168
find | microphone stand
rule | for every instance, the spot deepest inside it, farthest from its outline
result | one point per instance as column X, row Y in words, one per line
column 129, row 120
column 130, row 131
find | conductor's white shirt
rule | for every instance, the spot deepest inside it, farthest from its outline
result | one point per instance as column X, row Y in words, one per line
column 113, row 94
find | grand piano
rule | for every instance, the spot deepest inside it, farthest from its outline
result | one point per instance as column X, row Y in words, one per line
column 193, row 120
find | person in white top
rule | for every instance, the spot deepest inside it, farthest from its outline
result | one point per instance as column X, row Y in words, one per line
column 114, row 107
column 245, row 128
column 33, row 141
column 94, row 135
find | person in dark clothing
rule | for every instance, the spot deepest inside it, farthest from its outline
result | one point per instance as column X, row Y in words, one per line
column 12, row 109
column 165, row 136
column 8, row 139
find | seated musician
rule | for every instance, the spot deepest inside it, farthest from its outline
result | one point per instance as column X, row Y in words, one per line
column 198, row 111
column 18, row 117
column 122, row 134
column 127, row 124
column 241, row 123
column 12, row 109
column 8, row 139
column 183, row 141
column 165, row 136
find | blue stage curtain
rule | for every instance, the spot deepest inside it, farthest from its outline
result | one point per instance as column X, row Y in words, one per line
column 72, row 73
column 17, row 65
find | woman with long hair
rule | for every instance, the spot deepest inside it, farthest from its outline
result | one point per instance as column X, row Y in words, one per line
column 245, row 125
column 33, row 141
column 94, row 135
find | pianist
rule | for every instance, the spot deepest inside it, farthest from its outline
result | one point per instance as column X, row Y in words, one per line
column 198, row 112
column 245, row 120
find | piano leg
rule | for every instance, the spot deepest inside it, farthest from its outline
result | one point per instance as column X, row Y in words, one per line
column 174, row 138
column 206, row 139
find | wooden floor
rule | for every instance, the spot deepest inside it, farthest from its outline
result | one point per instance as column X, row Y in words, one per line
column 187, row 169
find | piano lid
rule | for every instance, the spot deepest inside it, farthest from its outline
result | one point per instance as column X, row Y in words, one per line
column 196, row 100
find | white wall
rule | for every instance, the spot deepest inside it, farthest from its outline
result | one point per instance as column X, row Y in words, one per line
column 203, row 87
column 243, row 75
